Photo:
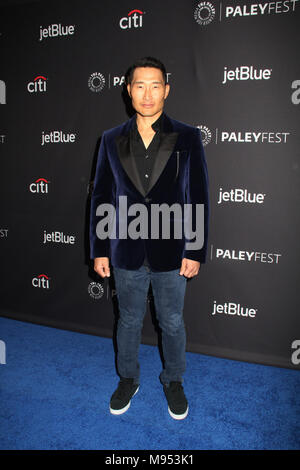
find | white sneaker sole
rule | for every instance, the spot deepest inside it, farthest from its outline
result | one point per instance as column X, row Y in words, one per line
column 184, row 415
column 123, row 410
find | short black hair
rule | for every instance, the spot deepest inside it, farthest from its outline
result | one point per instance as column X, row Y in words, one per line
column 145, row 62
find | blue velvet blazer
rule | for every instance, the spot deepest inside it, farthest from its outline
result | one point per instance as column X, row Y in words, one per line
column 179, row 176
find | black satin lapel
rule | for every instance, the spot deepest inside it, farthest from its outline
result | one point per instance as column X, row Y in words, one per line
column 167, row 144
column 128, row 162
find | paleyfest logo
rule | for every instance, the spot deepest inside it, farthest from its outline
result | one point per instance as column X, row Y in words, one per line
column 205, row 12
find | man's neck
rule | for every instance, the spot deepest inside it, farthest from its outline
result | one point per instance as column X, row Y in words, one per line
column 144, row 123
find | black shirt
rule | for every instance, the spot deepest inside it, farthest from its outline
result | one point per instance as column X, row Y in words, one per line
column 145, row 157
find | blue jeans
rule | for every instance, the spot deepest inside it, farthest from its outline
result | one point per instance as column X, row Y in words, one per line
column 168, row 289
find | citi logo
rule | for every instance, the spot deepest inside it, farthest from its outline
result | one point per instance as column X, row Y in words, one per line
column 2, row 92
column 39, row 84
column 134, row 19
column 231, row 308
column 246, row 72
column 39, row 186
column 41, row 281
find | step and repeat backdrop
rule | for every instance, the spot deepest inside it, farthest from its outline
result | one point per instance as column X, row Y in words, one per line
column 234, row 72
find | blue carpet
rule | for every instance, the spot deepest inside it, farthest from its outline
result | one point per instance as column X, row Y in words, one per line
column 56, row 386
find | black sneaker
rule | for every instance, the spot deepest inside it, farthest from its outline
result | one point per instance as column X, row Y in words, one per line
column 120, row 400
column 178, row 406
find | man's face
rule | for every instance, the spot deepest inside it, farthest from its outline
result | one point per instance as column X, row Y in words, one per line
column 148, row 91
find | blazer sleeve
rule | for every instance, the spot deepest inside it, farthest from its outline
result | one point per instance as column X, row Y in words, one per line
column 103, row 190
column 197, row 192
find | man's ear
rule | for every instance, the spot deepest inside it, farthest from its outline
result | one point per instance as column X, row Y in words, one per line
column 129, row 89
column 167, row 90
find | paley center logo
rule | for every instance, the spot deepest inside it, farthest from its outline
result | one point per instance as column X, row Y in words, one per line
column 206, row 134
column 39, row 84
column 56, row 30
column 96, row 82
column 204, row 13
column 192, row 215
column 95, row 290
column 134, row 19
column 39, row 186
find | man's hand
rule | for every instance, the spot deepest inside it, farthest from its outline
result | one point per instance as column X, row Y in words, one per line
column 101, row 266
column 189, row 267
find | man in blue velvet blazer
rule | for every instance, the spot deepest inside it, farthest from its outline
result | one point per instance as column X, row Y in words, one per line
column 148, row 162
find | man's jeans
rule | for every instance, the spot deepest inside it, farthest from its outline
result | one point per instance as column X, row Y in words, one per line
column 168, row 289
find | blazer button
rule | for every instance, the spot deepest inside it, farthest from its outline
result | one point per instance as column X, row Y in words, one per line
column 148, row 199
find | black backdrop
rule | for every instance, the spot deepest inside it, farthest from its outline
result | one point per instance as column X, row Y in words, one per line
column 234, row 71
